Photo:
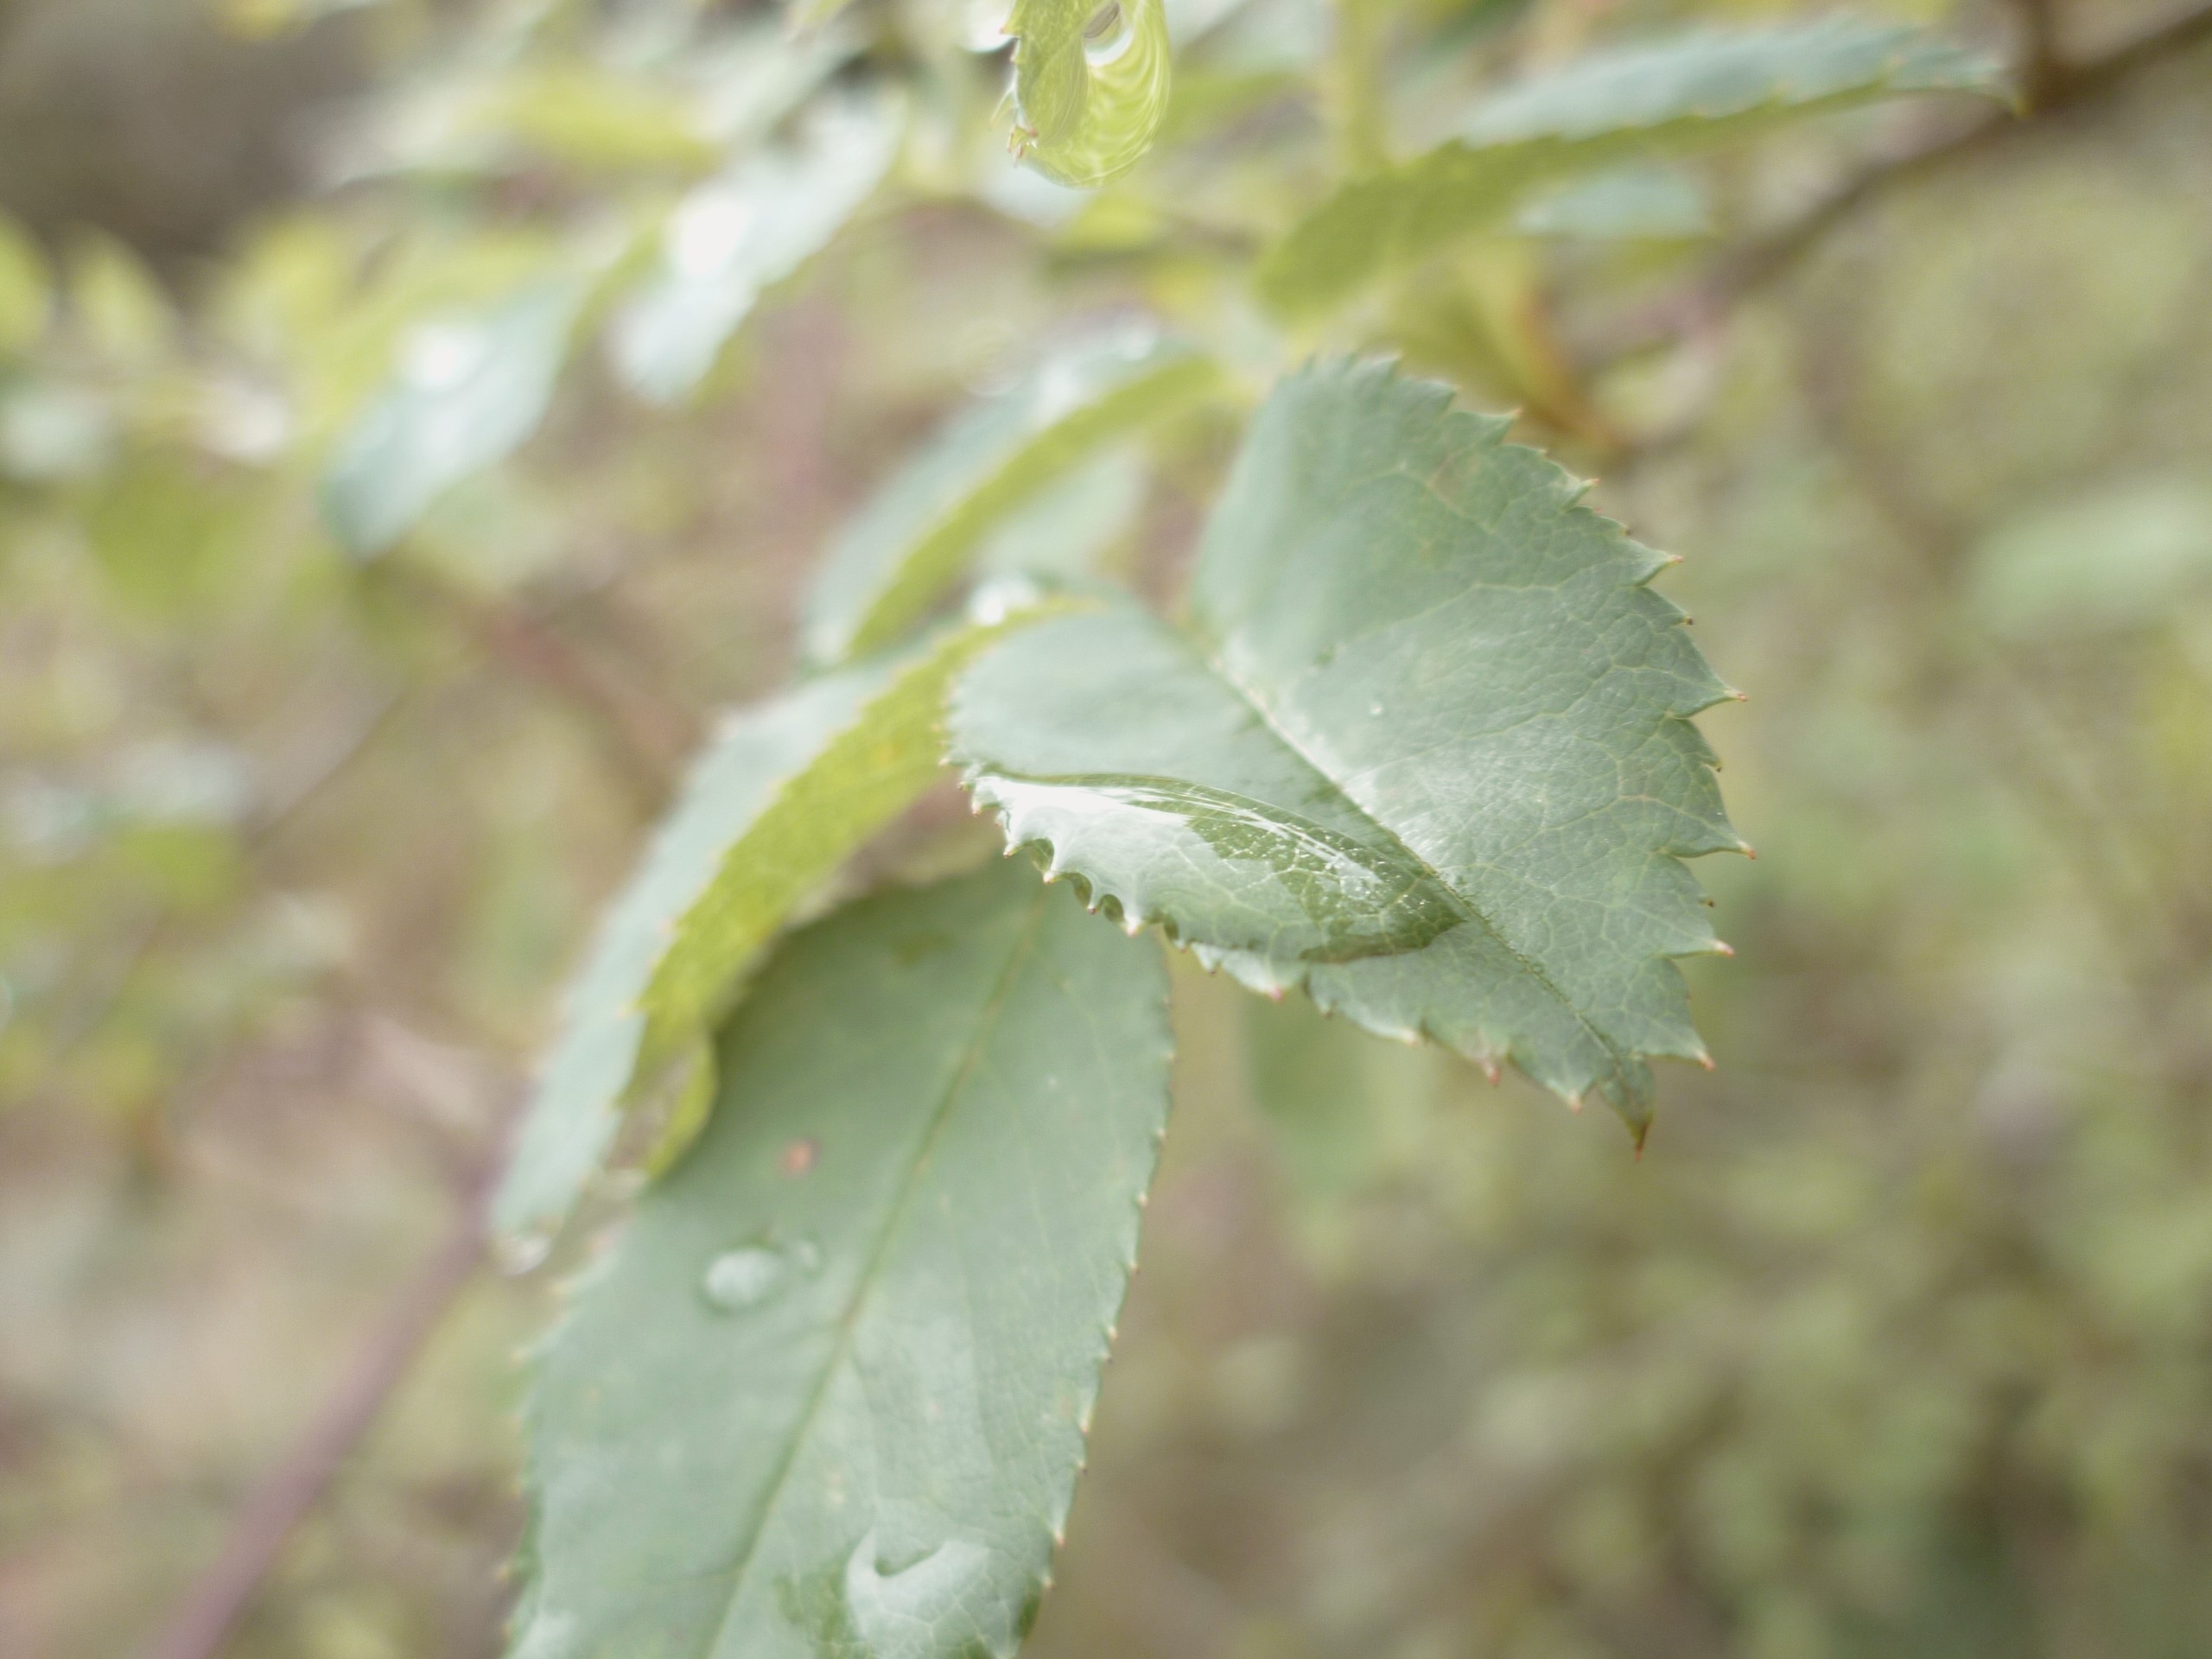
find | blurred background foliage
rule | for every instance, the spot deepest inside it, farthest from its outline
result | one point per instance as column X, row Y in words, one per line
column 1896, row 1341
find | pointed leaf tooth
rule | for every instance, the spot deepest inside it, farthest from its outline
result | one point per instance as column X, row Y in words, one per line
column 1421, row 751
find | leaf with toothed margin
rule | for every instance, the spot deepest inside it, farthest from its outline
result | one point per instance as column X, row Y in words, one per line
column 790, row 788
column 828, row 1393
column 912, row 543
column 1426, row 747
column 1638, row 103
column 734, row 236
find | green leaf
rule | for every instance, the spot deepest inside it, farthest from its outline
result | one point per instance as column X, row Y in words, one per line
column 828, row 1393
column 812, row 14
column 1064, row 532
column 912, row 541
column 26, row 289
column 735, row 236
column 1641, row 103
column 1630, row 203
column 2110, row 559
column 120, row 305
column 1091, row 83
column 468, row 391
column 1426, row 748
column 790, row 788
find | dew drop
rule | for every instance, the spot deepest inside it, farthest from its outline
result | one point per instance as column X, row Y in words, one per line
column 897, row 1608
column 742, row 1279
column 516, row 1254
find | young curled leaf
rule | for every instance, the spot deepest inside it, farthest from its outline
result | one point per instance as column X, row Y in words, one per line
column 1090, row 85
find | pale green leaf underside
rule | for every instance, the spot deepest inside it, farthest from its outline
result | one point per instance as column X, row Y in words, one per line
column 468, row 392
column 1635, row 103
column 828, row 1393
column 912, row 543
column 1427, row 748
column 1627, row 203
column 735, row 236
column 785, row 793
column 1090, row 85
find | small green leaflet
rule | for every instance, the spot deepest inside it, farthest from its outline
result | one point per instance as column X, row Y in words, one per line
column 790, row 788
column 911, row 543
column 1640, row 103
column 1654, row 203
column 1090, row 85
column 1427, row 748
column 828, row 1393
column 732, row 238
column 468, row 392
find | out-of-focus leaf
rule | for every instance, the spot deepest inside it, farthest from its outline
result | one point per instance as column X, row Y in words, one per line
column 1647, row 202
column 50, row 431
column 733, row 237
column 1091, row 85
column 26, row 289
column 789, row 789
column 256, row 18
column 1636, row 103
column 469, row 390
column 811, row 14
column 1063, row 531
column 910, row 543
column 586, row 116
column 117, row 303
column 1428, row 748
column 2117, row 558
column 828, row 1393
column 744, row 79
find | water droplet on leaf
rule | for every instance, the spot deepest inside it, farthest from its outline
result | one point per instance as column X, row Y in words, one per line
column 742, row 1279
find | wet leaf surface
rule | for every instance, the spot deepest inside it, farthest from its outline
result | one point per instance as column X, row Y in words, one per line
column 835, row 1403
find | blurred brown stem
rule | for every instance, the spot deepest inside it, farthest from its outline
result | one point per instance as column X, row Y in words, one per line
column 2044, row 71
column 644, row 741
column 275, row 1507
column 2050, row 87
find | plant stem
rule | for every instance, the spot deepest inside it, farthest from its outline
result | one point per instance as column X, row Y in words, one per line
column 1766, row 260
column 288, row 1492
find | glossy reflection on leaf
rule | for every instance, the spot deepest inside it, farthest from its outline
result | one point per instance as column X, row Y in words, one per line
column 1091, row 83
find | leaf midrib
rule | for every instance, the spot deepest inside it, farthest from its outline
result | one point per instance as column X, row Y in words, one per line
column 1215, row 664
column 994, row 1005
